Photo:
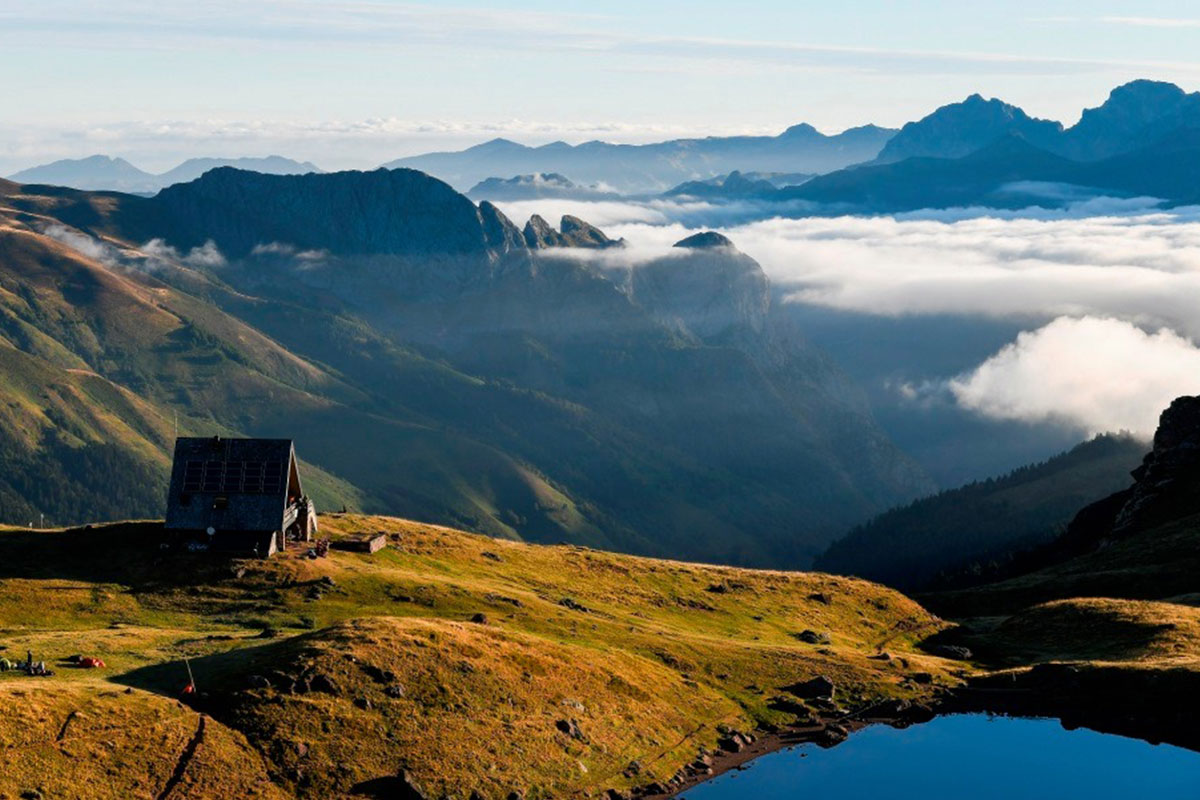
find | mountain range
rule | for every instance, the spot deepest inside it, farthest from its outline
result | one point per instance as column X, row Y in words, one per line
column 652, row 168
column 1135, row 115
column 103, row 173
column 1010, row 172
column 428, row 361
column 1143, row 142
column 1142, row 124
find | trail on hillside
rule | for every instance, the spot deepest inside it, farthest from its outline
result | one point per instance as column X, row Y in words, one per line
column 185, row 758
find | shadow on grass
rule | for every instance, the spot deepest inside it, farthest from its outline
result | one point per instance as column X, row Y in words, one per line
column 217, row 675
column 130, row 554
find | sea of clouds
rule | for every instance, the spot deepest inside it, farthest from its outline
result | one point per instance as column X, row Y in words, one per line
column 1108, row 289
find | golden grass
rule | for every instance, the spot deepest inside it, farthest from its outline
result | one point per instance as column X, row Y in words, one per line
column 648, row 656
column 92, row 739
column 1103, row 630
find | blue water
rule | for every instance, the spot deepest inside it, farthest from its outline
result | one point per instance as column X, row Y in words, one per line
column 969, row 756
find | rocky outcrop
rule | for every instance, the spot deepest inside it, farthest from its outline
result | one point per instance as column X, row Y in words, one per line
column 1166, row 484
column 574, row 232
column 499, row 233
column 539, row 235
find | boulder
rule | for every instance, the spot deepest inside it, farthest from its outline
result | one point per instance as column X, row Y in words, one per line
column 323, row 683
column 957, row 652
column 571, row 603
column 732, row 744
column 408, row 788
column 833, row 734
column 571, row 728
column 812, row 637
column 819, row 686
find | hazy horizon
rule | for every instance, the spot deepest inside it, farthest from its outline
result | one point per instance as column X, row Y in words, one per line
column 355, row 84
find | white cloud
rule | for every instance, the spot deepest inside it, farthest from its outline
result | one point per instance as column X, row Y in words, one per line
column 1132, row 261
column 1112, row 298
column 82, row 243
column 1092, row 373
column 206, row 255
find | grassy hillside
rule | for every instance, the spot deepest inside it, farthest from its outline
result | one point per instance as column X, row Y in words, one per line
column 1162, row 563
column 329, row 676
column 961, row 536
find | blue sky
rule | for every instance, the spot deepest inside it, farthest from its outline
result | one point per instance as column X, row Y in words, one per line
column 352, row 83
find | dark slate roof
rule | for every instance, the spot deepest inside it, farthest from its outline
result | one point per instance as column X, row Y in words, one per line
column 231, row 484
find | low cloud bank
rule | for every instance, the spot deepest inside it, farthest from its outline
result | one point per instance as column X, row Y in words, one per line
column 1109, row 288
column 151, row 257
column 1094, row 373
column 1142, row 267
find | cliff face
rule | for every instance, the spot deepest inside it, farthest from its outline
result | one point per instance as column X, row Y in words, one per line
column 1167, row 484
column 386, row 212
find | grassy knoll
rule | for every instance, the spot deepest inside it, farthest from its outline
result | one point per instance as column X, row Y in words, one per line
column 329, row 676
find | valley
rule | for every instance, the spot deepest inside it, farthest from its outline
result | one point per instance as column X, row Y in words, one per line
column 639, row 402
column 434, row 365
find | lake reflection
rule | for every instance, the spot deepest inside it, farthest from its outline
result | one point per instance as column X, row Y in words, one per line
column 969, row 756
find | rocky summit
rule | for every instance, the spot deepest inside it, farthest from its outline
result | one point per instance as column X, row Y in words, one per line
column 572, row 232
column 703, row 240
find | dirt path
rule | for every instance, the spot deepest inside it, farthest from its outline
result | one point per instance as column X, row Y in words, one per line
column 185, row 758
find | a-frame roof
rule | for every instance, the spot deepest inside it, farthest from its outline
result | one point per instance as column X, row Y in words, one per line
column 231, row 484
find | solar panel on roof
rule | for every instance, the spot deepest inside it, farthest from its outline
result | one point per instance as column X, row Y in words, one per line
column 233, row 477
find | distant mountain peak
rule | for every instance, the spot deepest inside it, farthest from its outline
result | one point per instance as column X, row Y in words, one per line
column 499, row 144
column 1145, row 87
column 1135, row 114
column 958, row 129
column 803, row 129
column 106, row 173
column 95, row 172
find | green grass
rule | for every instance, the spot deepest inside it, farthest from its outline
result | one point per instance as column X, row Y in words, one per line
column 648, row 656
